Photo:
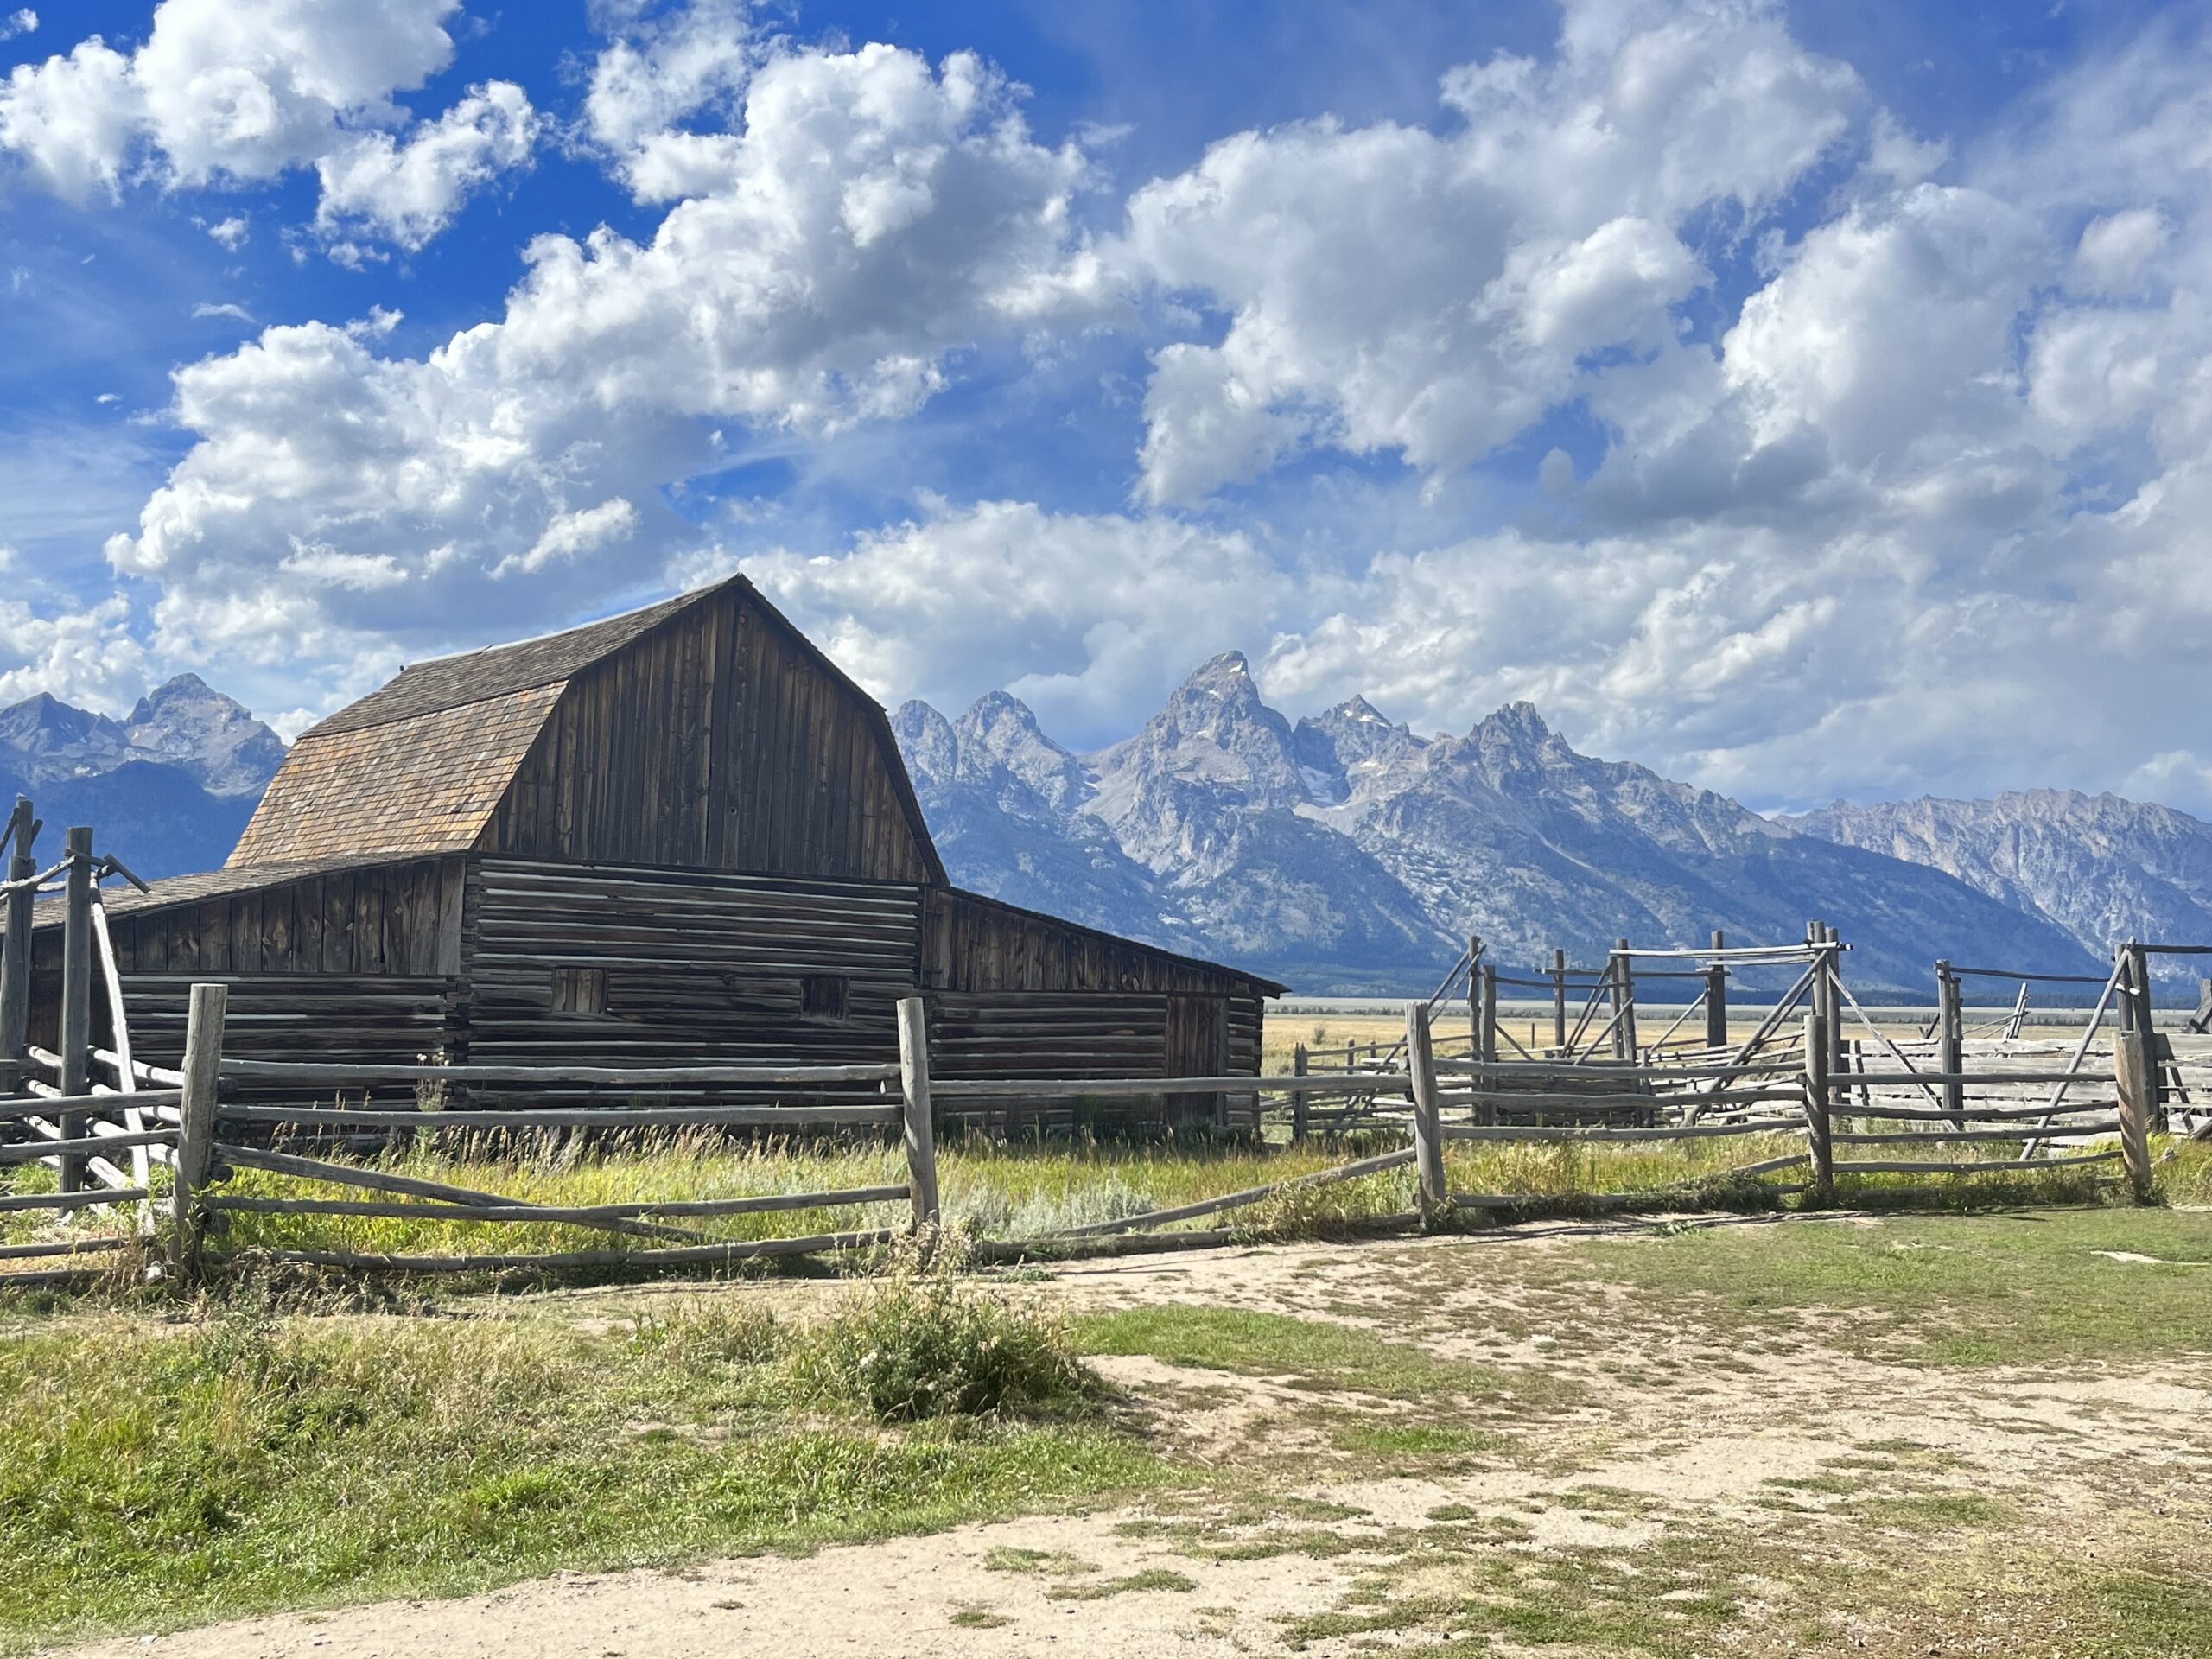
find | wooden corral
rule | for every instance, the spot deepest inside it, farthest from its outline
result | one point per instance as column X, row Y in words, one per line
column 679, row 835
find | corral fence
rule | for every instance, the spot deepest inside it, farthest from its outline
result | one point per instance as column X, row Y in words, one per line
column 1835, row 1118
column 142, row 1155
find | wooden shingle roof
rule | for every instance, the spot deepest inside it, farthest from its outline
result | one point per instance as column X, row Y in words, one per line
column 451, row 682
column 426, row 782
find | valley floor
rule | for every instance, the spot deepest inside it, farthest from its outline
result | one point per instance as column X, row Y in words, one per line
column 1898, row 1435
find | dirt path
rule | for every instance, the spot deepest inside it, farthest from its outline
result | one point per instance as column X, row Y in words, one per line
column 1727, row 1486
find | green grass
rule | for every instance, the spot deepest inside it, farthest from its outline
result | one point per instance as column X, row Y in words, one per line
column 154, row 1475
column 1312, row 1353
column 2011, row 1289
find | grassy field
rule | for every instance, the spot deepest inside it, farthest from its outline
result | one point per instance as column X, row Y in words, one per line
column 1755, row 1434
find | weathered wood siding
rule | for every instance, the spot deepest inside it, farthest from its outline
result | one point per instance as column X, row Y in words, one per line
column 344, row 964
column 717, row 741
column 970, row 943
column 693, row 966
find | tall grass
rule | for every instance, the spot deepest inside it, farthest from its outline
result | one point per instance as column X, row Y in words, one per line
column 156, row 1474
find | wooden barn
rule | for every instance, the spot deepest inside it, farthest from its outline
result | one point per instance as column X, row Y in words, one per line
column 680, row 834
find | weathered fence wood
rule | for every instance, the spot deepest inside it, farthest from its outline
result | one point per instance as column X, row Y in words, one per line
column 79, row 1200
column 1716, row 995
column 1332, row 1083
column 632, row 1077
column 1428, row 1141
column 1250, row 1195
column 195, row 1130
column 577, row 1117
column 1566, row 1132
column 573, row 1215
column 919, row 1127
column 2134, row 1072
column 1817, row 1125
column 76, row 994
column 377, row 1181
column 16, row 952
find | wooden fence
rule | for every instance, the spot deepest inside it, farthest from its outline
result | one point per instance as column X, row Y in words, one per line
column 154, row 1146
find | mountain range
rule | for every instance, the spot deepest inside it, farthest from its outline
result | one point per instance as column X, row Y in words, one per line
column 168, row 790
column 1342, row 853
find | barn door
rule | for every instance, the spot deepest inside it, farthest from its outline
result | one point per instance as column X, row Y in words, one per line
column 1197, row 1046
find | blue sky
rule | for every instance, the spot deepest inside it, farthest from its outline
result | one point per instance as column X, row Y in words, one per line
column 1805, row 400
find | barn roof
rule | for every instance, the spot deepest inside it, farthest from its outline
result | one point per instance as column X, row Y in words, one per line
column 420, row 765
column 447, row 683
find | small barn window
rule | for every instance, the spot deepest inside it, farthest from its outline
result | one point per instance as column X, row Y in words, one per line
column 826, row 997
column 579, row 990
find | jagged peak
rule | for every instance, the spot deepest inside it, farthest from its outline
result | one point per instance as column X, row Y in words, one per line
column 916, row 715
column 1519, row 719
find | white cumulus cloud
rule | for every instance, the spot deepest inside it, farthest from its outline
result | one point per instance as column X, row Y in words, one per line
column 229, row 92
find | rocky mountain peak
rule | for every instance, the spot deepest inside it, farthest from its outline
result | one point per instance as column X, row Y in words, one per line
column 1001, row 731
column 925, row 738
column 186, row 724
column 1350, row 746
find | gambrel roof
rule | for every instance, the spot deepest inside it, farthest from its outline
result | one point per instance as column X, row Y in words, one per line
column 425, row 764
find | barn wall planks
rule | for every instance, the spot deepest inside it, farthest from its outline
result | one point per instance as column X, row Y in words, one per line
column 684, row 966
column 538, row 961
column 970, row 943
column 719, row 739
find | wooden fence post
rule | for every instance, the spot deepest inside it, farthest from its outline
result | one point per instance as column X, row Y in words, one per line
column 2134, row 1069
column 2139, row 974
column 76, row 1032
column 1558, row 998
column 1818, row 1136
column 1300, row 1114
column 1488, row 1047
column 914, row 1088
column 1624, row 1001
column 1950, row 1041
column 1428, row 1121
column 1716, row 996
column 195, row 1129
column 15, row 956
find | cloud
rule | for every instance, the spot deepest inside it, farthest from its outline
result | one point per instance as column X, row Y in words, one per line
column 230, row 92
column 86, row 657
column 21, row 20
column 661, row 69
column 1084, row 616
column 230, row 232
column 1431, row 294
column 229, row 308
column 408, row 192
column 879, row 216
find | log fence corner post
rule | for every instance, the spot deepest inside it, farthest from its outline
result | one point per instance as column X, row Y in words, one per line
column 920, row 1129
column 1487, row 1047
column 16, row 952
column 75, row 1035
column 1716, row 996
column 2135, row 1074
column 195, row 1127
column 1951, row 1041
column 2139, row 974
column 1428, row 1121
column 1818, row 1139
column 1300, row 1114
